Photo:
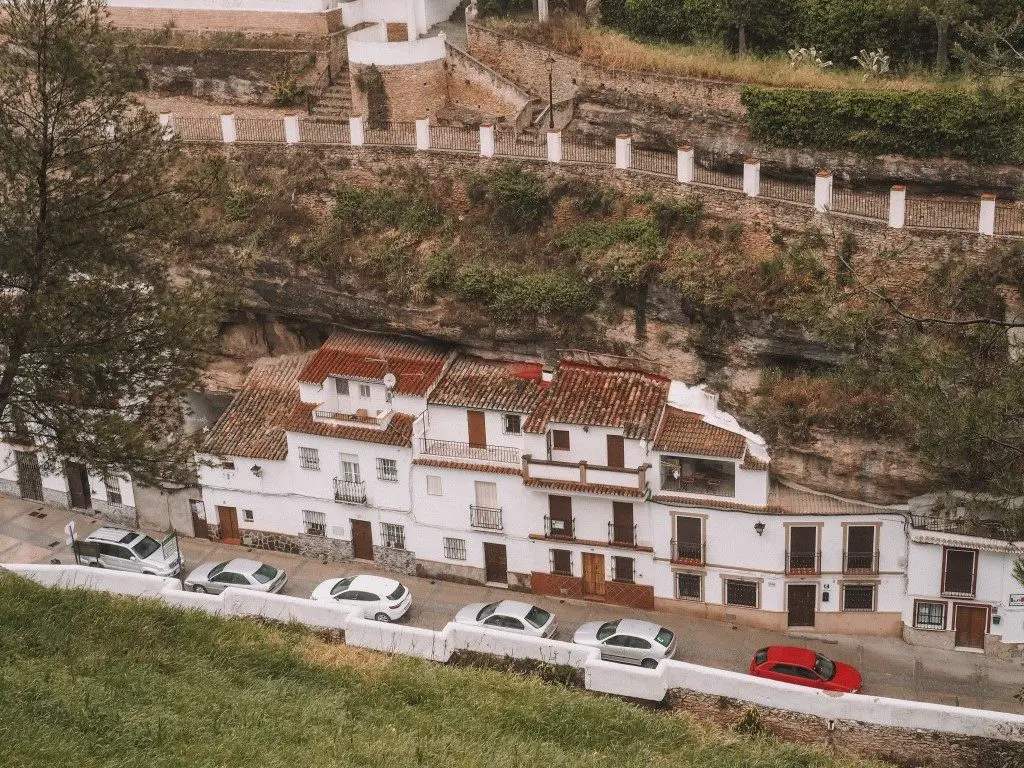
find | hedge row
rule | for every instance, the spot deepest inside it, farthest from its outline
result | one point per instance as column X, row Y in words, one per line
column 980, row 126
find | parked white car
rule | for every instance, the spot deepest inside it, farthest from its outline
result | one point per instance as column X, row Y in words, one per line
column 379, row 598
column 628, row 641
column 240, row 572
column 123, row 550
column 511, row 616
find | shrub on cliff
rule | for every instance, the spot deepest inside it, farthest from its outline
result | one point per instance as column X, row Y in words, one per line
column 360, row 210
column 517, row 200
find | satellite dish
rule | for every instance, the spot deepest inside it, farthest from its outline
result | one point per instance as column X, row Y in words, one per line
column 390, row 380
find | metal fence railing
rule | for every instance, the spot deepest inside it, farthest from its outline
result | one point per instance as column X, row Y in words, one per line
column 654, row 161
column 870, row 205
column 259, row 129
column 1009, row 219
column 197, row 128
column 961, row 215
column 323, row 132
column 394, row 134
column 454, row 139
column 583, row 149
column 511, row 144
column 790, row 191
column 709, row 169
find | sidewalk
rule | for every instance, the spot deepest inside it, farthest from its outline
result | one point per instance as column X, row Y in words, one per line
column 889, row 666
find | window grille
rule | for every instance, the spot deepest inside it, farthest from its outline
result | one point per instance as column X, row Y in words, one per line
column 113, row 487
column 929, row 615
column 690, row 586
column 513, row 423
column 622, row 569
column 392, row 535
column 387, row 469
column 741, row 593
column 314, row 523
column 859, row 597
column 341, row 386
column 455, row 549
column 561, row 561
column 309, row 458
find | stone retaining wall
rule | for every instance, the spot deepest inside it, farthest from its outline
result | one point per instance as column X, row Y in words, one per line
column 265, row 22
column 397, row 560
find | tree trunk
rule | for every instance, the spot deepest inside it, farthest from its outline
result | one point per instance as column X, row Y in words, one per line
column 640, row 309
column 742, row 46
column 942, row 49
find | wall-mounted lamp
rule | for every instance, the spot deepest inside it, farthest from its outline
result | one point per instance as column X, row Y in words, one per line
column 759, row 527
column 257, row 470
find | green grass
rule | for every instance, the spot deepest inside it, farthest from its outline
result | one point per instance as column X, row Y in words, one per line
column 89, row 679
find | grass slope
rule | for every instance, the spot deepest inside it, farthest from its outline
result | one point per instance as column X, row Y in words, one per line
column 88, row 679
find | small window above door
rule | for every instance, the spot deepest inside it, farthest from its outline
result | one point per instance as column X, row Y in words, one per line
column 559, row 439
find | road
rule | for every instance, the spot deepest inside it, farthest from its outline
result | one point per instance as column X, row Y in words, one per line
column 889, row 666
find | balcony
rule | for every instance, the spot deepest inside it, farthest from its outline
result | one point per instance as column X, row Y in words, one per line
column 349, row 418
column 704, row 477
column 451, row 449
column 633, row 480
column 860, row 562
column 349, row 492
column 559, row 528
column 688, row 552
column 487, row 518
column 964, row 526
column 623, row 535
column 803, row 563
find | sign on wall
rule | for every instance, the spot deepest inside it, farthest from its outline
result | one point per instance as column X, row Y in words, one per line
column 1017, row 601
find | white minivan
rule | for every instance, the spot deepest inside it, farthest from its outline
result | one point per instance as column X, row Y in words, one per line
column 122, row 550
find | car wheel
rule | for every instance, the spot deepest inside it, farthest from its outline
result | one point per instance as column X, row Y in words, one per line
column 199, row 588
column 382, row 617
column 649, row 664
column 94, row 564
column 148, row 573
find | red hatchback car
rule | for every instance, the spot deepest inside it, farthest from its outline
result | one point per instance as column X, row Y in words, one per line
column 802, row 666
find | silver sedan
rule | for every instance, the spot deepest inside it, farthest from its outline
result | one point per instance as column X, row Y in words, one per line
column 628, row 641
column 241, row 573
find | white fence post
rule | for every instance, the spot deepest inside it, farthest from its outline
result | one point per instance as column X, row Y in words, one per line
column 166, row 122
column 355, row 131
column 752, row 177
column 987, row 215
column 487, row 140
column 897, row 206
column 291, row 128
column 542, row 10
column 423, row 133
column 823, row 191
column 227, row 128
column 554, row 146
column 684, row 164
column 623, row 151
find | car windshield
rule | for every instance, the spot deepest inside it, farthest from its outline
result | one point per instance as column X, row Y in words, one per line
column 265, row 573
column 538, row 617
column 397, row 593
column 341, row 586
column 215, row 571
column 146, row 547
column 824, row 667
column 664, row 637
column 607, row 629
column 486, row 611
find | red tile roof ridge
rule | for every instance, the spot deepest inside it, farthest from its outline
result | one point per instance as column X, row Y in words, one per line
column 449, row 464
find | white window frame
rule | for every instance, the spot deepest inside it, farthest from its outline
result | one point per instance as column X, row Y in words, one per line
column 314, row 523
column 931, row 628
column 350, row 472
column 392, row 535
column 384, row 467
column 309, row 458
column 434, row 486
column 365, row 392
column 504, row 423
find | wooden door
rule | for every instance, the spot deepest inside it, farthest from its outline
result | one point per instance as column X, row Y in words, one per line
column 689, row 539
column 971, row 625
column 801, row 602
column 228, row 517
column 199, row 527
column 362, row 540
column 860, row 548
column 495, row 563
column 616, row 451
column 78, row 484
column 623, row 529
column 560, row 513
column 593, row 575
column 30, row 478
column 477, row 429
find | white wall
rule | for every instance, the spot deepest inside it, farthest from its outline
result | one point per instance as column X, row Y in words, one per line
column 451, row 423
column 429, row 12
column 370, row 46
column 273, row 6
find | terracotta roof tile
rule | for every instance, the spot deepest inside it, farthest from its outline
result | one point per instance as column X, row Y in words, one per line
column 446, row 464
column 252, row 426
column 498, row 385
column 606, row 397
column 681, row 501
column 750, row 461
column 568, row 485
column 686, row 432
column 398, row 431
column 784, row 500
column 370, row 356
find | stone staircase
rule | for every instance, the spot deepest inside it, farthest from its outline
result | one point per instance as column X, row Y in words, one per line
column 334, row 101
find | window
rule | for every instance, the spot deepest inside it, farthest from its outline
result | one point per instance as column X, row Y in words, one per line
column 227, row 466
column 392, row 536
column 341, row 386
column 929, row 615
column 512, row 424
column 685, row 474
column 560, row 439
column 689, row 543
column 858, row 597
column 350, row 468
column 113, row 486
column 455, row 549
column 538, row 617
column 958, row 570
column 387, row 469
column 860, row 549
column 739, row 592
column 314, row 523
column 433, row 485
column 247, row 516
column 561, row 561
column 309, row 458
column 364, row 391
column 622, row 569
column 689, row 586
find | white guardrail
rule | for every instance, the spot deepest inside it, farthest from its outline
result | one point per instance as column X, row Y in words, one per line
column 602, row 676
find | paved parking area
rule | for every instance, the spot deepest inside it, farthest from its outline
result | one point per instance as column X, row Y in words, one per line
column 889, row 666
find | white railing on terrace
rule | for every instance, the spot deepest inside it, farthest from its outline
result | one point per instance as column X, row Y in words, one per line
column 371, row 46
column 985, row 216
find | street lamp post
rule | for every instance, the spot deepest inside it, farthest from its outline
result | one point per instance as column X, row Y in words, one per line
column 549, row 62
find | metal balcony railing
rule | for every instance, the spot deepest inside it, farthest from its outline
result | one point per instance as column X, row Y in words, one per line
column 451, row 449
column 485, row 517
column 346, row 490
column 689, row 552
column 860, row 562
column 803, row 562
column 354, row 417
column 559, row 528
column 950, row 587
column 622, row 534
column 964, row 526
